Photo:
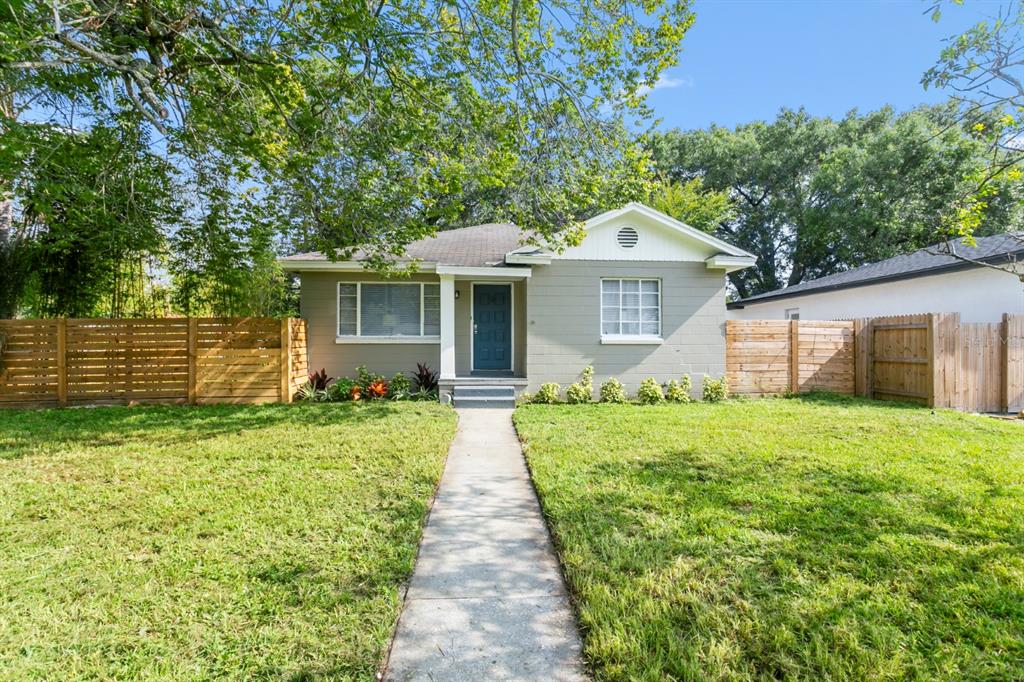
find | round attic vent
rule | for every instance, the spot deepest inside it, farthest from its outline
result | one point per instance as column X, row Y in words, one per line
column 627, row 237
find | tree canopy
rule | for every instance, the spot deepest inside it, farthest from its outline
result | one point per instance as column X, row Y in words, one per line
column 816, row 196
column 341, row 122
column 984, row 69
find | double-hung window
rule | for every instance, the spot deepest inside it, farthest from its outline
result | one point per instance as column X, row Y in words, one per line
column 630, row 309
column 389, row 310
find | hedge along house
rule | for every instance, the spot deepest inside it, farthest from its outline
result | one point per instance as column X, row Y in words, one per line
column 643, row 295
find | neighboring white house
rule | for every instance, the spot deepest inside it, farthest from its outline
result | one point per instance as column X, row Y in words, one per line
column 919, row 282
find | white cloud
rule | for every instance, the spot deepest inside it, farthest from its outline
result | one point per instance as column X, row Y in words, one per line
column 667, row 83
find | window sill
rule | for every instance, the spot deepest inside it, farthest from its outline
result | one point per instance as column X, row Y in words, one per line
column 632, row 340
column 388, row 339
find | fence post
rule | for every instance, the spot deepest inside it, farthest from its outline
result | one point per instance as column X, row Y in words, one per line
column 794, row 356
column 1004, row 363
column 286, row 360
column 62, row 361
column 1013, row 362
column 860, row 364
column 931, row 349
column 193, row 340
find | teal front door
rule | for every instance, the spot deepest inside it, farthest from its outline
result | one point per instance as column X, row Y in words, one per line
column 492, row 327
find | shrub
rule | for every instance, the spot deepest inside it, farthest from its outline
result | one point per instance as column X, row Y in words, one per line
column 364, row 378
column 425, row 378
column 342, row 389
column 309, row 391
column 422, row 394
column 399, row 386
column 316, row 388
column 548, row 394
column 714, row 390
column 320, row 380
column 612, row 391
column 679, row 391
column 525, row 398
column 649, row 392
column 377, row 389
column 583, row 390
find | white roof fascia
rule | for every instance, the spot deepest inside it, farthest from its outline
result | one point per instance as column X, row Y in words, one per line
column 292, row 265
column 513, row 258
column 492, row 272
column 729, row 263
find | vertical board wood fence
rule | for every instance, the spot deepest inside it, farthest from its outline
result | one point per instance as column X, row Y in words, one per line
column 932, row 359
column 166, row 360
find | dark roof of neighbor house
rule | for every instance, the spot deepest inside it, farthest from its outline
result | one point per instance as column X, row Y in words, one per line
column 927, row 261
column 479, row 245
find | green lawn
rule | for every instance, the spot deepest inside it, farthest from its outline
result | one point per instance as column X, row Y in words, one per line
column 816, row 538
column 256, row 542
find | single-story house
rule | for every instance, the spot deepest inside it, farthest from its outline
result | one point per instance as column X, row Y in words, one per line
column 642, row 295
column 925, row 281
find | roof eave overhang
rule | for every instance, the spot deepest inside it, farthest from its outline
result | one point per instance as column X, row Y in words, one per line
column 513, row 258
column 292, row 265
column 484, row 272
column 729, row 263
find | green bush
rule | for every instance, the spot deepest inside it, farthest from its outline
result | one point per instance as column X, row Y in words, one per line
column 649, row 392
column 714, row 390
column 548, row 394
column 364, row 379
column 583, row 390
column 341, row 389
column 612, row 391
column 679, row 391
column 399, row 386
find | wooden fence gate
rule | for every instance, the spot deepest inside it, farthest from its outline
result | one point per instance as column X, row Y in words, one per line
column 57, row 362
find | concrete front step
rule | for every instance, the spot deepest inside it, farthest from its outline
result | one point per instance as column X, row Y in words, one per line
column 492, row 402
column 484, row 391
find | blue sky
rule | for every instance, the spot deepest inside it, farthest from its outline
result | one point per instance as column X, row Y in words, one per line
column 745, row 59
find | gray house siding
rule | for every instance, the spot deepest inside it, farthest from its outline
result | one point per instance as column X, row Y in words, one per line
column 564, row 320
column 318, row 305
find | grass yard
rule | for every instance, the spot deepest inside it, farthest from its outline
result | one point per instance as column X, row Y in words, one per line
column 814, row 538
column 254, row 542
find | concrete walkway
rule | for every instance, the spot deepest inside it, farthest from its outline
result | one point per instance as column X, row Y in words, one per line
column 486, row 601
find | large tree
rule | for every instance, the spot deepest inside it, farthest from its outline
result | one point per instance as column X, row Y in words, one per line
column 357, row 122
column 816, row 196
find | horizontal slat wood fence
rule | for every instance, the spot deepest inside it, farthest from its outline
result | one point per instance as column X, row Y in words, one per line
column 933, row 359
column 166, row 360
column 771, row 357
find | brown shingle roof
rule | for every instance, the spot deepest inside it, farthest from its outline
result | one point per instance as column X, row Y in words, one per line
column 480, row 245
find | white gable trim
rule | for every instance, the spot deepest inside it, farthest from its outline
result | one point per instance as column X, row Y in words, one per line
column 668, row 221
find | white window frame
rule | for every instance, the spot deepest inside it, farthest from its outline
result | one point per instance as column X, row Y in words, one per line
column 631, row 339
column 790, row 312
column 359, row 338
